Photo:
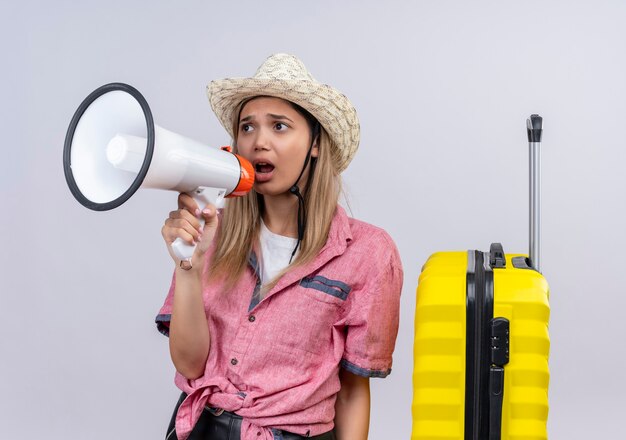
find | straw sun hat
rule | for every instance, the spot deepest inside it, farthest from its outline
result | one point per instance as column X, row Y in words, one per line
column 284, row 76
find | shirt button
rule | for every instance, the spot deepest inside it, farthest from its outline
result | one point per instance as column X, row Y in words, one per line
column 251, row 318
column 234, row 361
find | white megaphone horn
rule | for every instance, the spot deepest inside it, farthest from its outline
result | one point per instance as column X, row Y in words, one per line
column 113, row 148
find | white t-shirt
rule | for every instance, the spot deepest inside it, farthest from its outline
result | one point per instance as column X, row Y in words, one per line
column 275, row 253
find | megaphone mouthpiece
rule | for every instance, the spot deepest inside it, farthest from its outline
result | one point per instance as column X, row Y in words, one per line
column 126, row 152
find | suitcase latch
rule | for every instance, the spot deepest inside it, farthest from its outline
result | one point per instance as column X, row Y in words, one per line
column 497, row 260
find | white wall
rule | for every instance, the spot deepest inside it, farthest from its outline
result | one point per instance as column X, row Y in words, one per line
column 442, row 90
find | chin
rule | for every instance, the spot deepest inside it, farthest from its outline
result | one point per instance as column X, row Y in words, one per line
column 271, row 189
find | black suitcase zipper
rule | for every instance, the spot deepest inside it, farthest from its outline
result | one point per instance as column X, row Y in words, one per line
column 486, row 348
column 479, row 307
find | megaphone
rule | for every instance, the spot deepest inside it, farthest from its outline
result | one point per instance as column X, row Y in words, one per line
column 113, row 148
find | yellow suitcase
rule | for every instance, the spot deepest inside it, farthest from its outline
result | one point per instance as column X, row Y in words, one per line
column 481, row 339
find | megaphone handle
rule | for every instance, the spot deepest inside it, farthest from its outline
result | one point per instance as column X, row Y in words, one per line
column 202, row 196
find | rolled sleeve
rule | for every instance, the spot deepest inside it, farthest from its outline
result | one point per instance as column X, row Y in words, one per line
column 164, row 315
column 373, row 316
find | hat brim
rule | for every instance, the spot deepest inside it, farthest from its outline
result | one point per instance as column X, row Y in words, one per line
column 331, row 108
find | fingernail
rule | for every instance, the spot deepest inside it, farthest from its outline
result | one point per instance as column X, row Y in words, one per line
column 207, row 211
column 197, row 213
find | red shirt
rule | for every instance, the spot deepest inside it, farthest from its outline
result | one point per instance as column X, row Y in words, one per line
column 276, row 361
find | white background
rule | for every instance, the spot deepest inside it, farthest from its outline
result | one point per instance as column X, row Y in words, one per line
column 442, row 88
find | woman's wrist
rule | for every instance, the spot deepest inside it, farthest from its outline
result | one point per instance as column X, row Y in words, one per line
column 189, row 268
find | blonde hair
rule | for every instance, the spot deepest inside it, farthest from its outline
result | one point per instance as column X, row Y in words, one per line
column 241, row 219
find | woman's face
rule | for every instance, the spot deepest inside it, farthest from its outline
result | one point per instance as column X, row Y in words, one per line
column 275, row 138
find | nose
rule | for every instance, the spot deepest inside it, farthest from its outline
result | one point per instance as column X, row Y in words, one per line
column 261, row 141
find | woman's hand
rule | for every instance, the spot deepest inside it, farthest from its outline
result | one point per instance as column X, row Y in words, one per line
column 184, row 224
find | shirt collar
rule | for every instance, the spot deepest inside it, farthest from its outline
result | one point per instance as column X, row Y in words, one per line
column 339, row 235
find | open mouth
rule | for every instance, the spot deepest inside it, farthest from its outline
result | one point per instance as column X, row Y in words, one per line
column 263, row 171
column 263, row 168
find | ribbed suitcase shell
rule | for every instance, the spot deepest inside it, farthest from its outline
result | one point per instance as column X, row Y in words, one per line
column 521, row 296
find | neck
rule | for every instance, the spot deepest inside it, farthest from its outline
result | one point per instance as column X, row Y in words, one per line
column 281, row 214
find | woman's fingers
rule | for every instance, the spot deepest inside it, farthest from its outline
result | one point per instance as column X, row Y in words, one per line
column 192, row 225
column 177, row 227
column 183, row 214
column 185, row 201
column 209, row 214
column 181, row 223
column 172, row 235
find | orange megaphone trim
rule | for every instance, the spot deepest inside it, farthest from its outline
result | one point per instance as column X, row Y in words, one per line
column 246, row 179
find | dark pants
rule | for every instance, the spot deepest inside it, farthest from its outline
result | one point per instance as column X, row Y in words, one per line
column 217, row 424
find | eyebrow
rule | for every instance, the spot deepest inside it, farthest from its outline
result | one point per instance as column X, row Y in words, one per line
column 272, row 115
column 279, row 117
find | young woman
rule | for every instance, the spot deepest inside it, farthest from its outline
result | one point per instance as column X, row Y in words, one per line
column 288, row 306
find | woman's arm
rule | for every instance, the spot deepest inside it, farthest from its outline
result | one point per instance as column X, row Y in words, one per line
column 352, row 409
column 189, row 332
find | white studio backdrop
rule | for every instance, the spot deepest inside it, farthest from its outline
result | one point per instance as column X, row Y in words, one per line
column 442, row 88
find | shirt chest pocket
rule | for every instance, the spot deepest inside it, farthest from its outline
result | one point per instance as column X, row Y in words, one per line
column 333, row 291
column 313, row 307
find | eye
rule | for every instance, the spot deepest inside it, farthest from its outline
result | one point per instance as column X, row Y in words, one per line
column 246, row 128
column 279, row 126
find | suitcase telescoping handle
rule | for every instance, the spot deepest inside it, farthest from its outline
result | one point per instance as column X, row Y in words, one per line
column 534, row 126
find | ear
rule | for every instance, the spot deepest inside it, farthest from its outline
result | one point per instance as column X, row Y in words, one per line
column 315, row 149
